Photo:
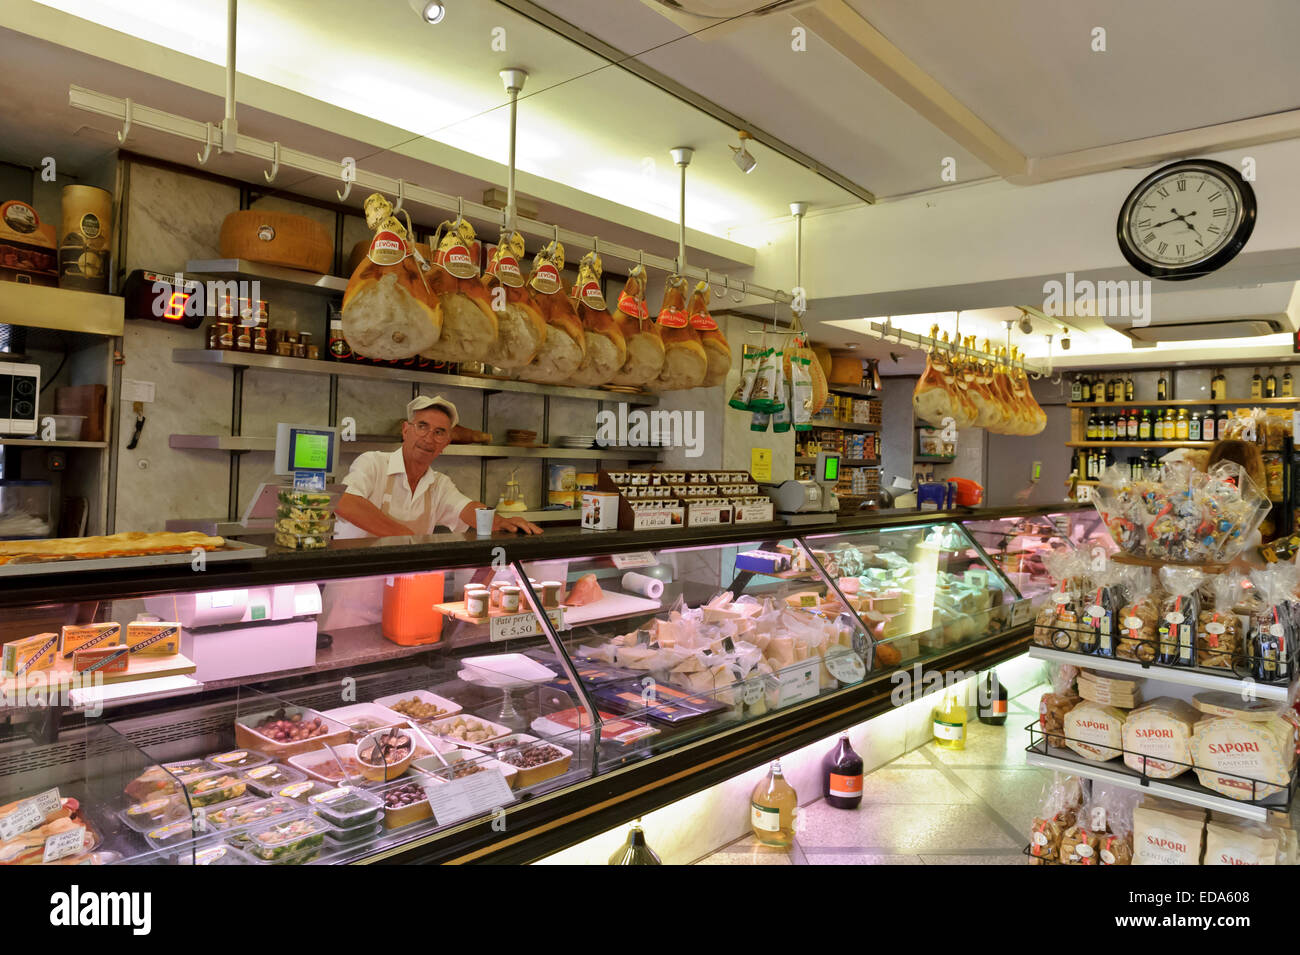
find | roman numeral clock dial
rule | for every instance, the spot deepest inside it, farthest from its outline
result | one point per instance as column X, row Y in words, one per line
column 1186, row 219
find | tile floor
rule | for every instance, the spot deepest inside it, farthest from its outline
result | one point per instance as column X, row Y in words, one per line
column 930, row 806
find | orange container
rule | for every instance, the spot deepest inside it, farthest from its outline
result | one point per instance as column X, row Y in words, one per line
column 410, row 617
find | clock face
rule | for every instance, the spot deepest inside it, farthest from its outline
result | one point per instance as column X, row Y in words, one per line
column 1186, row 219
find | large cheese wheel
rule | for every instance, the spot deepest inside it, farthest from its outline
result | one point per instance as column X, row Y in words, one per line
column 469, row 326
column 845, row 370
column 388, row 313
column 277, row 238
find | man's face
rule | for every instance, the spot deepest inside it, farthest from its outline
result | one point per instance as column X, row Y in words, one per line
column 430, row 433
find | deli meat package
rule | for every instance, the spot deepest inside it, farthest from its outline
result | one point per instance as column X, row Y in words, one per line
column 521, row 326
column 389, row 312
column 711, row 338
column 606, row 347
column 565, row 344
column 685, row 362
column 1094, row 731
column 1244, row 750
column 642, row 335
column 1167, row 833
column 469, row 325
column 1158, row 737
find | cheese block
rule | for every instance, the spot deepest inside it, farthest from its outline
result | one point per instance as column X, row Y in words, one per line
column 1094, row 731
column 1231, row 844
column 1160, row 731
column 277, row 238
column 1245, row 759
column 635, row 658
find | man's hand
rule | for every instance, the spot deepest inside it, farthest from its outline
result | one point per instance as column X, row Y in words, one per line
column 516, row 525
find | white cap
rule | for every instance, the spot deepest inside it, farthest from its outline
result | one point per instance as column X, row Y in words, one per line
column 437, row 401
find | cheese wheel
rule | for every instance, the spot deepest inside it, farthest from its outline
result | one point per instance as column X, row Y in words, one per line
column 277, row 238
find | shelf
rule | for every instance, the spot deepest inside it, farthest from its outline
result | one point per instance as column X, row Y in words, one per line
column 856, row 391
column 243, row 444
column 61, row 309
column 844, row 426
column 1139, row 444
column 1117, row 773
column 265, row 526
column 271, row 274
column 938, row 458
column 1183, row 676
column 343, row 369
column 1182, row 403
column 38, row 443
column 860, row 463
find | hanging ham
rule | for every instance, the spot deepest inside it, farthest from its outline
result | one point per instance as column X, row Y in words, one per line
column 521, row 326
column 469, row 326
column 389, row 311
column 605, row 344
column 685, row 361
column 645, row 344
column 565, row 344
column 715, row 345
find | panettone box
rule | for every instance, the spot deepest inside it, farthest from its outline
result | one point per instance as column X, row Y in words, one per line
column 28, row 249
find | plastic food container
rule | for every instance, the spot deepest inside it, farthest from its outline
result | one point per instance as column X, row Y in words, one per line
column 250, row 813
column 154, row 813
column 208, row 789
column 356, row 835
column 320, row 764
column 396, row 701
column 247, row 736
column 303, row 790
column 177, row 833
column 507, row 669
column 302, row 857
column 463, row 763
column 302, row 541
column 286, row 837
column 67, row 427
column 347, row 807
column 238, row 759
column 268, row 780
column 529, row 775
column 364, row 718
column 219, row 855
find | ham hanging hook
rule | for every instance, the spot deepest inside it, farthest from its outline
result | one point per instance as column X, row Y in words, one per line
column 275, row 163
column 204, row 156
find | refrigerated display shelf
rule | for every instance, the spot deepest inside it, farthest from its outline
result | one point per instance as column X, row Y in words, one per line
column 1201, row 679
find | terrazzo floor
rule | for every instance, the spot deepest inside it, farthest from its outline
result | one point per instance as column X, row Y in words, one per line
column 931, row 806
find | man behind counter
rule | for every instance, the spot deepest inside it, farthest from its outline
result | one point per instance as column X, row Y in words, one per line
column 398, row 493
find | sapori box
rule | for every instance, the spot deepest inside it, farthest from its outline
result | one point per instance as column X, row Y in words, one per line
column 1166, row 834
column 1230, row 844
column 1094, row 731
column 1158, row 736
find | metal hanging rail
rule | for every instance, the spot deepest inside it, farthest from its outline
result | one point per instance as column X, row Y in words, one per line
column 889, row 333
column 137, row 116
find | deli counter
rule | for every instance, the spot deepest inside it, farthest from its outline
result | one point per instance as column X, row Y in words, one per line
column 454, row 699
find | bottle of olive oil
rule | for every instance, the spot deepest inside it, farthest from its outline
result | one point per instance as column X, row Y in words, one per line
column 950, row 722
column 772, row 806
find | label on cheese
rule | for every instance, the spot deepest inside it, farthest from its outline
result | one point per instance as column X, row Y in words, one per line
column 387, row 248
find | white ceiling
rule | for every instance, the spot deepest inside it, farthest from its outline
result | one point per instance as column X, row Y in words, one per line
column 1026, row 67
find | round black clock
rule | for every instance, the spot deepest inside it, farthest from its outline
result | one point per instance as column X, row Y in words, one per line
column 1186, row 219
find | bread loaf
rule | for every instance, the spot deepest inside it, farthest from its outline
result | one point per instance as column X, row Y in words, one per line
column 389, row 312
column 521, row 326
column 685, row 362
column 645, row 344
column 565, row 344
column 469, row 325
column 606, row 349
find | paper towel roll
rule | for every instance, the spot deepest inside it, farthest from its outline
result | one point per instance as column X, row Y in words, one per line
column 643, row 585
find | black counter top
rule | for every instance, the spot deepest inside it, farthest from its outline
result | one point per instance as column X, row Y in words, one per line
column 393, row 555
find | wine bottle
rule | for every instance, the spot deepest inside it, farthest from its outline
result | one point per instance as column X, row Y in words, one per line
column 1085, row 389
column 1218, row 386
column 772, row 807
column 842, row 776
column 1162, row 388
column 1256, row 385
column 1288, row 385
column 950, row 722
column 992, row 707
column 1128, row 389
column 1270, row 385
column 1076, row 389
column 635, row 851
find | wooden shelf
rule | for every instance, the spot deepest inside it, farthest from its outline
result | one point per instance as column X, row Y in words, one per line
column 38, row 443
column 1139, row 444
column 936, row 458
column 856, row 391
column 271, row 274
column 844, row 426
column 62, row 309
column 1182, row 403
column 241, row 444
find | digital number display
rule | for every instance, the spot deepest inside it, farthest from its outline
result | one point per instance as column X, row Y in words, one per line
column 154, row 297
column 832, row 470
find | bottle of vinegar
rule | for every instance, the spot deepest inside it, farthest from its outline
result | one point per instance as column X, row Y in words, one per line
column 772, row 807
column 992, row 701
column 842, row 776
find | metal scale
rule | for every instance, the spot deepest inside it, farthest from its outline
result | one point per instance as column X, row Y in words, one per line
column 809, row 501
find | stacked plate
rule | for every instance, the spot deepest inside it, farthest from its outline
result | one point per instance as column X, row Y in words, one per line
column 576, row 441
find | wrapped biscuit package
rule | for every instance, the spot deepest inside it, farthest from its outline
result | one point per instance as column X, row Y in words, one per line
column 1063, row 798
column 1166, row 833
column 1242, row 843
column 1138, row 617
column 1219, row 641
column 1179, row 612
column 1059, row 623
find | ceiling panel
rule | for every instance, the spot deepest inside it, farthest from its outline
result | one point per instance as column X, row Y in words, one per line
column 815, row 100
column 1027, row 68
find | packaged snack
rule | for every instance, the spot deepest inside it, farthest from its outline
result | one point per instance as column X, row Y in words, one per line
column 1053, row 707
column 1101, row 606
column 1110, row 816
column 1158, row 738
column 749, row 362
column 1059, row 623
column 1248, row 755
column 801, row 391
column 1062, row 798
column 1179, row 613
column 1270, row 637
column 1166, row 833
column 1241, row 843
column 1094, row 731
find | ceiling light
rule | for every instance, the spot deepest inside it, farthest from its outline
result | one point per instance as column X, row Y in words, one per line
column 740, row 155
column 1026, row 326
column 430, row 11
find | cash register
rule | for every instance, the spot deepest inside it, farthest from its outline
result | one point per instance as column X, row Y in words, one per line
column 808, row 501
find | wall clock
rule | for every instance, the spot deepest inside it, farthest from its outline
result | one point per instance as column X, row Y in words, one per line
column 1186, row 219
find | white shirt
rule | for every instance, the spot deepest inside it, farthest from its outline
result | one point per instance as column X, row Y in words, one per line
column 380, row 477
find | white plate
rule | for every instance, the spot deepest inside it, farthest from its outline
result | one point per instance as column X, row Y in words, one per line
column 505, row 670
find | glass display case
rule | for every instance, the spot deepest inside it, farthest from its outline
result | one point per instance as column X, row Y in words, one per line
column 415, row 702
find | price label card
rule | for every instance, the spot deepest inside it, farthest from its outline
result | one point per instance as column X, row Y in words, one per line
column 309, row 480
column 754, row 691
column 640, row 558
column 66, row 843
column 23, row 819
column 469, row 796
column 515, row 625
column 797, row 684
column 846, row 666
column 702, row 516
column 651, row 520
column 760, row 464
column 1021, row 612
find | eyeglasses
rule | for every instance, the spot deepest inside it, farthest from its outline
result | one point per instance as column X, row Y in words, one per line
column 423, row 428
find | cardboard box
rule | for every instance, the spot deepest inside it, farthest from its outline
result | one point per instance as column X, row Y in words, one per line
column 87, row 636
column 600, row 510
column 157, row 639
column 30, row 654
column 102, row 660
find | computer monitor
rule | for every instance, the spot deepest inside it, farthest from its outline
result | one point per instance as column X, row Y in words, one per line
column 305, row 448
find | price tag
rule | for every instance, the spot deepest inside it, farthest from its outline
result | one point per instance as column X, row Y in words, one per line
column 23, row 819
column 702, row 516
column 1215, row 628
column 846, row 666
column 1060, row 598
column 309, row 480
column 1133, row 623
column 1275, row 630
column 1175, row 617
column 515, row 625
column 468, row 796
column 1096, row 610
column 66, row 843
column 652, row 520
column 1098, row 818
column 797, row 683
column 640, row 558
column 1021, row 612
column 754, row 691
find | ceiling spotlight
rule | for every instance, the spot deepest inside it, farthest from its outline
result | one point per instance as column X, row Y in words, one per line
column 1026, row 326
column 1065, row 338
column 430, row 11
column 741, row 156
